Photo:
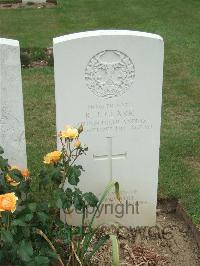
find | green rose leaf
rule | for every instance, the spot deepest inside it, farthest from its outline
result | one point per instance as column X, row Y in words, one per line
column 30, row 263
column 3, row 163
column 41, row 260
column 51, row 254
column 55, row 175
column 32, row 206
column 65, row 197
column 59, row 203
column 16, row 175
column 19, row 222
column 3, row 183
column 80, row 167
column 44, row 177
column 6, row 236
column 25, row 250
column 26, row 232
column 67, row 203
column 78, row 201
column 43, row 217
column 28, row 217
column 68, row 192
column 91, row 199
column 74, row 174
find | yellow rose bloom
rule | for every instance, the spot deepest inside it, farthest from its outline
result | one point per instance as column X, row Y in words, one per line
column 55, row 156
column 25, row 173
column 63, row 134
column 14, row 167
column 11, row 181
column 52, row 157
column 72, row 133
column 8, row 202
column 47, row 159
column 69, row 132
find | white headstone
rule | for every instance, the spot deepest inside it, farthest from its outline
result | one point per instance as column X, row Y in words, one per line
column 34, row 1
column 12, row 133
column 111, row 81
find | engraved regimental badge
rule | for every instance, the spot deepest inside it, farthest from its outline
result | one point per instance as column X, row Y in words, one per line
column 109, row 74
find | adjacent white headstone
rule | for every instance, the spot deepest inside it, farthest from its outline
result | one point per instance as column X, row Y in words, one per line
column 111, row 81
column 34, row 1
column 12, row 133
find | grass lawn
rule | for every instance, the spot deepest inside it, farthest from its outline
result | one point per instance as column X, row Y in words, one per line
column 178, row 23
column 7, row 1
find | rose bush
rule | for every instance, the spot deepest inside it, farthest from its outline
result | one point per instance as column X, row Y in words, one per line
column 30, row 227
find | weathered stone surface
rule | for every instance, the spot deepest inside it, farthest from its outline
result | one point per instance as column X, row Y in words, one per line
column 111, row 81
column 12, row 132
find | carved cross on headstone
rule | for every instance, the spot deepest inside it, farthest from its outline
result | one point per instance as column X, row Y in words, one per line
column 110, row 156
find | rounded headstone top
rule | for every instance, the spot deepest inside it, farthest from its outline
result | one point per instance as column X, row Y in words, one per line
column 4, row 41
column 97, row 33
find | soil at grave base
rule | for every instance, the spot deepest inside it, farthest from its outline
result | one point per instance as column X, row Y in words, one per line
column 170, row 242
column 20, row 5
